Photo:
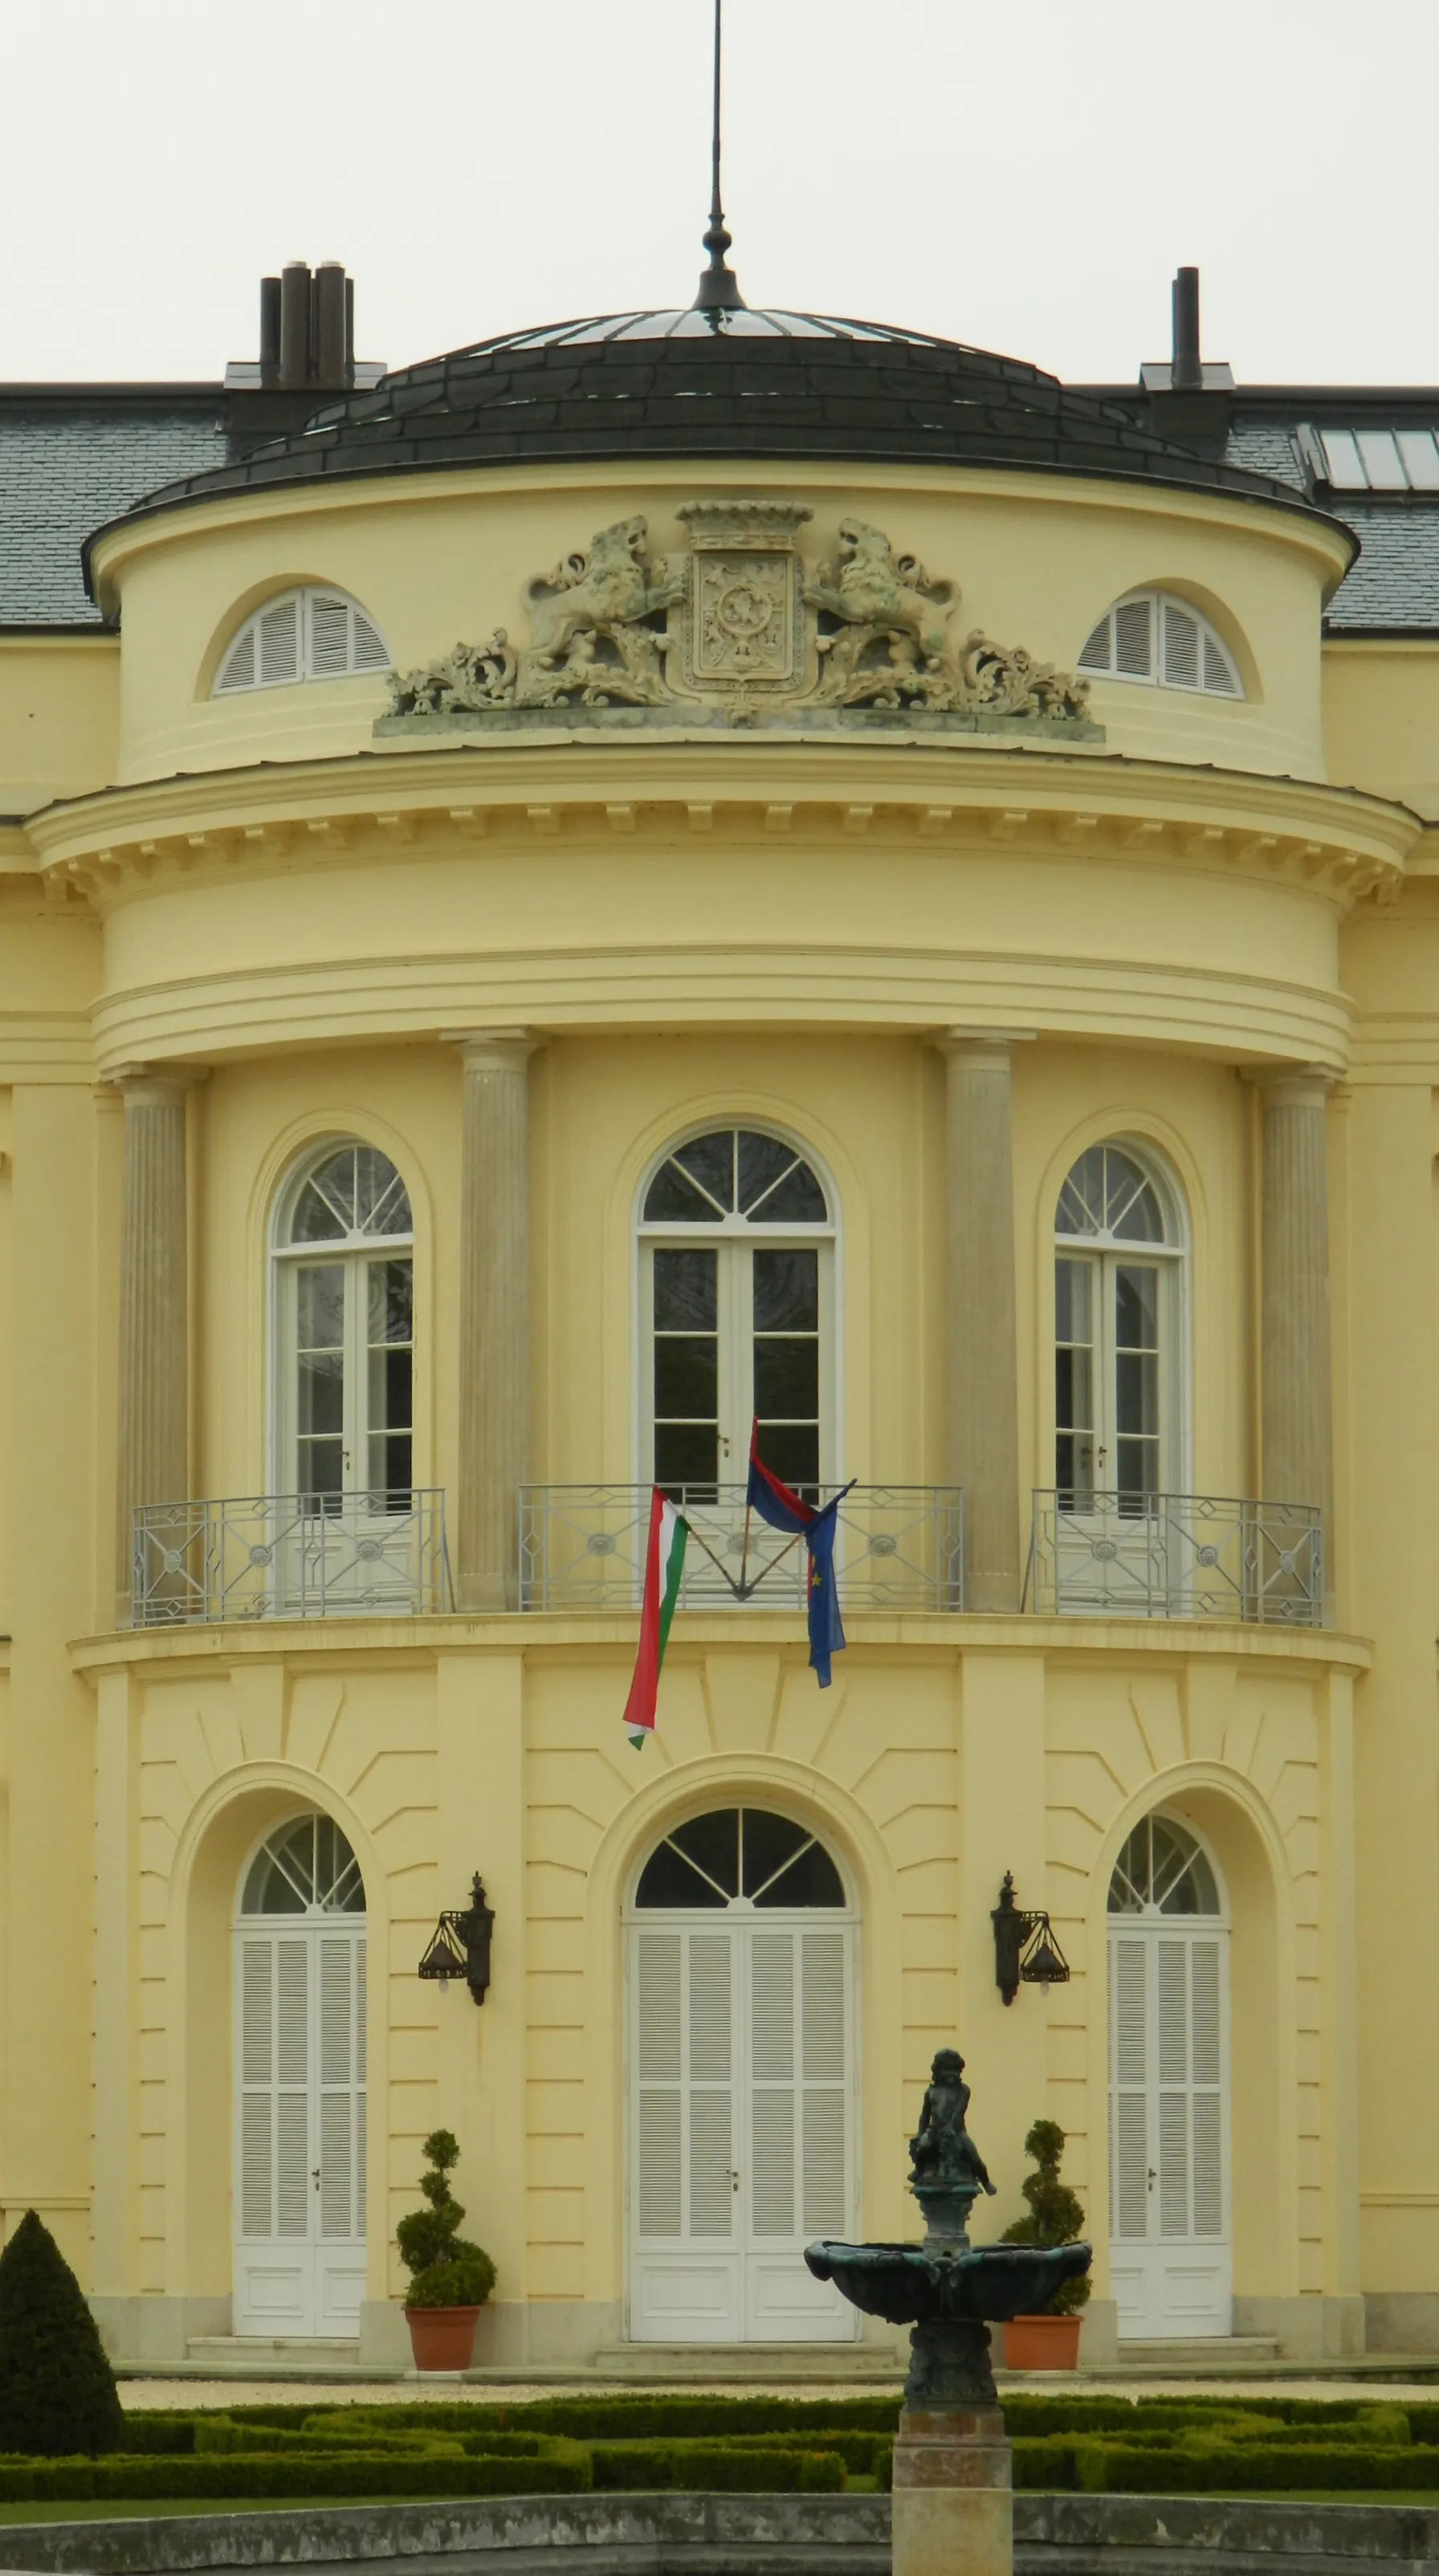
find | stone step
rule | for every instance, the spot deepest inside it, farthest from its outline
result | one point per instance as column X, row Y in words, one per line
column 258, row 2356
column 662, row 2364
column 1206, row 2355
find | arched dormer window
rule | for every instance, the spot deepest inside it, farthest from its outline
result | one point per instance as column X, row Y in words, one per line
column 737, row 1305
column 305, row 634
column 1152, row 636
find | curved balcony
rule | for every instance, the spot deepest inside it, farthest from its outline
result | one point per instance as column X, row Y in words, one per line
column 1176, row 1556
column 290, row 1556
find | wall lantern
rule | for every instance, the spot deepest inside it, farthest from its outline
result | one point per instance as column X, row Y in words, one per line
column 460, row 1945
column 1025, row 1950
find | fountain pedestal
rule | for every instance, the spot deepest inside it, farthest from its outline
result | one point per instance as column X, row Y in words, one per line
column 953, row 2482
column 953, row 2503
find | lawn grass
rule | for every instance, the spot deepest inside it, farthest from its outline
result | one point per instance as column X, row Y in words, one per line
column 156, row 2508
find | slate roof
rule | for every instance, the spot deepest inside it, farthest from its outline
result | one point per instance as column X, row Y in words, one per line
column 674, row 383
column 66, row 464
column 750, row 384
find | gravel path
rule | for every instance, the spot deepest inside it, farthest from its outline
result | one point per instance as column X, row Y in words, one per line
column 141, row 2393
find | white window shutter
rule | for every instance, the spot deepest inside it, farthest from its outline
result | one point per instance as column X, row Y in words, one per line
column 1133, row 639
column 711, row 2079
column 279, row 643
column 1219, row 679
column 292, row 2070
column 1181, row 647
column 1207, row 2074
column 370, row 653
column 257, row 2159
column 237, row 671
column 329, row 635
column 1098, row 653
column 658, row 2051
column 823, row 2024
column 1129, row 2061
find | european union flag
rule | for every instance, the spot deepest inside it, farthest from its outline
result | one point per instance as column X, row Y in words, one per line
column 783, row 1509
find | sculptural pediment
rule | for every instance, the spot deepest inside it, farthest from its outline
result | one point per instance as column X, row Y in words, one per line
column 741, row 627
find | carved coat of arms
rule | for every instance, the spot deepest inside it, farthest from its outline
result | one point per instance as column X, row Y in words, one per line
column 742, row 628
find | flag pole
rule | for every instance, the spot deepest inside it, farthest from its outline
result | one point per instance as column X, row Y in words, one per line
column 744, row 1551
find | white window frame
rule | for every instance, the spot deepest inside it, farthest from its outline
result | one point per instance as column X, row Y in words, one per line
column 353, row 1251
column 1107, row 1251
column 1161, row 604
column 304, row 599
column 730, row 1234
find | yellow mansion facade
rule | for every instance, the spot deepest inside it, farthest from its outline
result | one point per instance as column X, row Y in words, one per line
column 681, row 869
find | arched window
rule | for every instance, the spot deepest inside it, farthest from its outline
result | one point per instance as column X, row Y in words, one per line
column 300, row 2085
column 303, row 635
column 1162, row 1870
column 737, row 1299
column 1168, row 2086
column 344, row 1296
column 742, row 2091
column 1118, row 1310
column 1154, row 637
column 739, row 1856
column 304, row 1867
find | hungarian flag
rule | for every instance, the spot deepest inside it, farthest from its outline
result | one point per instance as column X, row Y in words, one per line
column 664, row 1564
column 783, row 1509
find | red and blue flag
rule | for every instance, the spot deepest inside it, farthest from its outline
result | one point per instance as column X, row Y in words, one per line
column 782, row 1509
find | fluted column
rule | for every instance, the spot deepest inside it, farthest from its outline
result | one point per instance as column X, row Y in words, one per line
column 494, row 1423
column 154, row 1428
column 982, row 1448
column 1297, row 1439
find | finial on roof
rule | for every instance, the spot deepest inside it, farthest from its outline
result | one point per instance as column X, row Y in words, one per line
column 718, row 286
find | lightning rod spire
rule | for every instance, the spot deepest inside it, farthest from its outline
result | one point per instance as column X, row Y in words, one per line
column 718, row 286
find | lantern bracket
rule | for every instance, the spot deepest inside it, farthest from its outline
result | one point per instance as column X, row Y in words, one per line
column 1025, row 1949
column 460, row 1945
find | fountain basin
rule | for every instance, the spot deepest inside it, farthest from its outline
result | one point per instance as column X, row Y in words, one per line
column 924, row 2284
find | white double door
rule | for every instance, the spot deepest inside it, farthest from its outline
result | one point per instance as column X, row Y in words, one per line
column 1170, row 2249
column 741, row 2126
column 300, row 2117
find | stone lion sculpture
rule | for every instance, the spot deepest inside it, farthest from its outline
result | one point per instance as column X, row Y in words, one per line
column 890, row 594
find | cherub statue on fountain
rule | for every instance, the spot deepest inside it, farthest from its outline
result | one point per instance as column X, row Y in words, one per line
column 942, row 2150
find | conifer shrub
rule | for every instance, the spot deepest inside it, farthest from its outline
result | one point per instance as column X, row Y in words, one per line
column 57, row 2390
column 446, row 2270
column 1056, row 2216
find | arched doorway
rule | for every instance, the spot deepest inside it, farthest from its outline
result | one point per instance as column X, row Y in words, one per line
column 1170, row 2242
column 300, row 2085
column 741, row 2082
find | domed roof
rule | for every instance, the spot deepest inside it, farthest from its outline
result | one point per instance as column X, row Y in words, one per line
column 728, row 382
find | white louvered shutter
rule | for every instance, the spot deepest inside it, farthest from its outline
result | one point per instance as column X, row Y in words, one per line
column 1129, row 2096
column 369, row 648
column 238, row 669
column 711, row 2084
column 1181, row 647
column 1097, row 654
column 329, row 635
column 824, row 2067
column 1206, row 1967
column 1219, row 680
column 292, row 2087
column 1133, row 639
column 257, row 2077
column 772, row 2084
column 342, row 2094
column 279, row 630
column 659, row 1970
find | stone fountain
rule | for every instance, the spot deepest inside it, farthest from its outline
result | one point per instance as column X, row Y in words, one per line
column 953, row 2500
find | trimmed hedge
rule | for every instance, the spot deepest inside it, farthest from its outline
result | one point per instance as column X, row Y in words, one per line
column 716, row 2468
column 564, row 2469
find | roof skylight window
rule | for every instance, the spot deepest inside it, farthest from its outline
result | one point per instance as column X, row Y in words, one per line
column 1375, row 460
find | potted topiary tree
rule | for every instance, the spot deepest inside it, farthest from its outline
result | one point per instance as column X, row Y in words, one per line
column 450, row 2279
column 1051, row 2341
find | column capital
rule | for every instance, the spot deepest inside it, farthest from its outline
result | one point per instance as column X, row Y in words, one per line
column 156, row 1086
column 1294, row 1086
column 982, row 1046
column 493, row 1050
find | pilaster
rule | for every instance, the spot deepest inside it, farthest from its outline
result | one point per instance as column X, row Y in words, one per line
column 494, row 1377
column 982, row 1445
column 1296, row 1416
column 154, row 1432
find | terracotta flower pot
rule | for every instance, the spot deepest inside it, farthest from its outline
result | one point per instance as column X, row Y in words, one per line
column 442, row 2338
column 1041, row 2343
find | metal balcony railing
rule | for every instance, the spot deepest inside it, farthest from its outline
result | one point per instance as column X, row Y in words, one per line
column 290, row 1556
column 897, row 1547
column 1176, row 1556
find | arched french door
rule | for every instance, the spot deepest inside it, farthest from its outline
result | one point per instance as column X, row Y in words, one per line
column 741, row 2082
column 1170, row 2240
column 300, row 2085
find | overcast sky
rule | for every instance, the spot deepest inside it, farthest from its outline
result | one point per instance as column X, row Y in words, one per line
column 1022, row 174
